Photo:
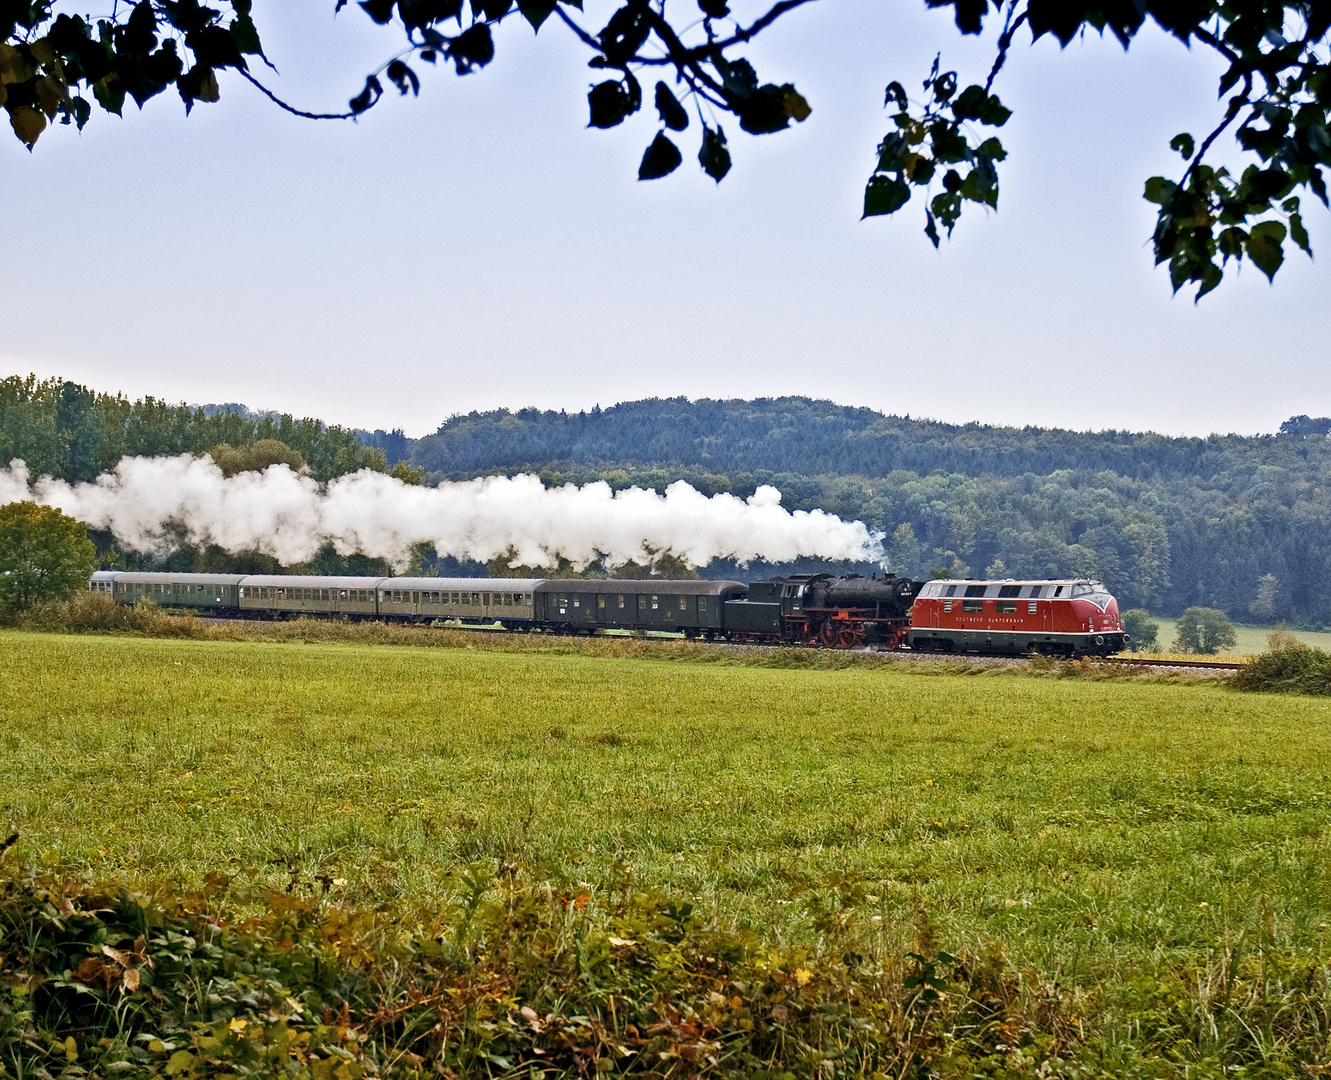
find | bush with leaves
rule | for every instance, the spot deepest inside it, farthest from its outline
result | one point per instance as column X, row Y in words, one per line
column 1203, row 630
column 1141, row 628
column 44, row 555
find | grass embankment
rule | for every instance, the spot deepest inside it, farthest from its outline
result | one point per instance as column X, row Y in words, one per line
column 1134, row 876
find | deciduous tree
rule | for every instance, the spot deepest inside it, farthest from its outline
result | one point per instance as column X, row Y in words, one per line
column 1203, row 630
column 941, row 142
column 44, row 555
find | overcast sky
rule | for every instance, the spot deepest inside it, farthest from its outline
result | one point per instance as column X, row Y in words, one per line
column 480, row 247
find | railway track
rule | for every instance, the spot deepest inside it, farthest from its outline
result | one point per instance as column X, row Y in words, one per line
column 1146, row 662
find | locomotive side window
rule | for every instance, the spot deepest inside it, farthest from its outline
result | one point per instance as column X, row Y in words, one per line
column 972, row 606
column 951, row 590
column 1006, row 607
column 1035, row 590
column 975, row 590
column 1009, row 590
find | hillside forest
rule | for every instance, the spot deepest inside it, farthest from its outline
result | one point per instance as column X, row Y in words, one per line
column 1240, row 523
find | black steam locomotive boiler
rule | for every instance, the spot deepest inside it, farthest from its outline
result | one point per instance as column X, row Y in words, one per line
column 818, row 609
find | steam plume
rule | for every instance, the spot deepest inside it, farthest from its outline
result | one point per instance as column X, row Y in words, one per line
column 153, row 504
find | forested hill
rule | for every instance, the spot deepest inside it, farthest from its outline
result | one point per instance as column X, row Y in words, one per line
column 1237, row 522
column 819, row 438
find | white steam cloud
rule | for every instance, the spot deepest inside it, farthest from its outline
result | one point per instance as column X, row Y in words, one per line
column 153, row 504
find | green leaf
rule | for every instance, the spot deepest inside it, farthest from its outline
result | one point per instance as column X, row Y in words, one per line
column 1182, row 144
column 1230, row 242
column 714, row 157
column 931, row 228
column 1159, row 190
column 796, row 107
column 672, row 113
column 610, row 102
column 535, row 12
column 1264, row 247
column 660, row 159
column 967, row 105
column 885, row 195
column 1298, row 233
column 993, row 112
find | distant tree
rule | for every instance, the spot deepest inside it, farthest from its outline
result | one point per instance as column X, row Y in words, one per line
column 408, row 473
column 903, row 552
column 256, row 457
column 1141, row 629
column 1263, row 605
column 44, row 555
column 1203, row 630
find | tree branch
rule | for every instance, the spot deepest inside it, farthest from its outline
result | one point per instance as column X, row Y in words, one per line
column 291, row 108
column 1005, row 43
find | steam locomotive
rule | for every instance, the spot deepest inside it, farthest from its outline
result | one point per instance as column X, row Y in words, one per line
column 1073, row 617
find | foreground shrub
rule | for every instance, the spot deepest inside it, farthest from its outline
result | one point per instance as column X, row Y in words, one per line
column 1288, row 667
column 97, row 612
column 508, row 978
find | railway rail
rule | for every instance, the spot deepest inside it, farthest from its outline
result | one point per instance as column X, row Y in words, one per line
column 1144, row 662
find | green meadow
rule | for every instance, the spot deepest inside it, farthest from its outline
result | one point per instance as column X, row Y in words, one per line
column 1092, row 832
column 1063, row 815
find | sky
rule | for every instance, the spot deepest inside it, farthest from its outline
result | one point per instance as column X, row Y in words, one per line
column 479, row 247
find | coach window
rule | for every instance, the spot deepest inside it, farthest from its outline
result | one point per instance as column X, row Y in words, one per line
column 600, row 601
column 656, row 603
column 577, row 601
column 683, row 603
column 621, row 602
column 702, row 605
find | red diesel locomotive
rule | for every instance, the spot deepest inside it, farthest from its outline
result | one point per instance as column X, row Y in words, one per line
column 1071, row 617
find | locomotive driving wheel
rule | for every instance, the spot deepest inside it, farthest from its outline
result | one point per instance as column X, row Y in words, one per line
column 849, row 636
column 828, row 635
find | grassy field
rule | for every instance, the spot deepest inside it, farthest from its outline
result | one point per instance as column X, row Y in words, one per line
column 1251, row 639
column 1084, row 824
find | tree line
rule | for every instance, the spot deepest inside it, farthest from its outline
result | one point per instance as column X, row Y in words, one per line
column 1235, row 523
column 1238, row 523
